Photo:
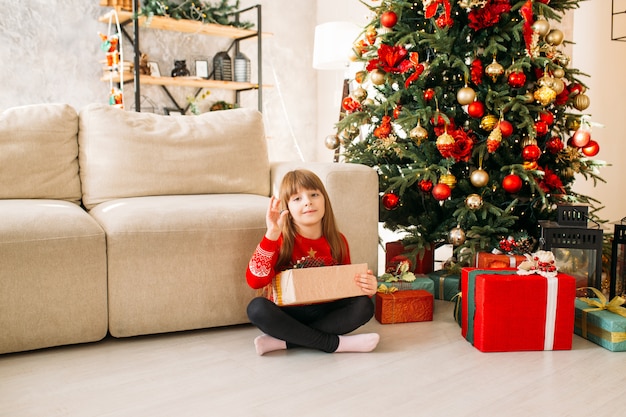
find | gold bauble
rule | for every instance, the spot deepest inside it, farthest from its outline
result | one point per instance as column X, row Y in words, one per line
column 494, row 70
column 545, row 95
column 359, row 94
column 541, row 26
column 581, row 101
column 558, row 73
column 558, row 85
column 418, row 134
column 465, row 95
column 448, row 179
column 488, row 122
column 456, row 236
column 554, row 37
column 573, row 123
column 479, row 178
column 377, row 77
column 473, row 201
column 331, row 142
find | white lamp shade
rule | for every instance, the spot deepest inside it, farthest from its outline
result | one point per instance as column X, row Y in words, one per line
column 333, row 45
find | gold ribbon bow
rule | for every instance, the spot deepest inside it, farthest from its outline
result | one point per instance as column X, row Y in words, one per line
column 386, row 290
column 614, row 306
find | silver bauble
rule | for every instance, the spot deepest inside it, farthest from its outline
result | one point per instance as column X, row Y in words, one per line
column 465, row 95
column 456, row 236
column 331, row 142
column 479, row 178
column 473, row 201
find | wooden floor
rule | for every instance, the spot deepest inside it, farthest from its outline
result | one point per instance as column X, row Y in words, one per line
column 418, row 369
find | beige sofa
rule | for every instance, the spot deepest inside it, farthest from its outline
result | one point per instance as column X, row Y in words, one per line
column 135, row 223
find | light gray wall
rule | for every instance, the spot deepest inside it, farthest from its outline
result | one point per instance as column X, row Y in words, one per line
column 51, row 51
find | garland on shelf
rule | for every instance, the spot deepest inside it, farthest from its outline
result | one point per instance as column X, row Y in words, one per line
column 221, row 14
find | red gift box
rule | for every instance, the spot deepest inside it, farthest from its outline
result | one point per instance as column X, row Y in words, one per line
column 395, row 252
column 486, row 260
column 404, row 306
column 503, row 311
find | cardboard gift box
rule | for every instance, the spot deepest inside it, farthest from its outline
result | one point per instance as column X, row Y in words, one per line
column 315, row 285
column 446, row 286
column 602, row 327
column 503, row 311
column 486, row 260
column 404, row 306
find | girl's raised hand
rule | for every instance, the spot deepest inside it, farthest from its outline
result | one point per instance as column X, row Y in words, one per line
column 274, row 219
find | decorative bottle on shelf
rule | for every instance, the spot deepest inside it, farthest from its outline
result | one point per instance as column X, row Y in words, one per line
column 222, row 67
column 242, row 68
column 180, row 69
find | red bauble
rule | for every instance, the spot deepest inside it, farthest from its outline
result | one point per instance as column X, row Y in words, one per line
column 512, row 183
column 591, row 149
column 388, row 19
column 531, row 153
column 554, row 145
column 546, row 117
column 576, row 88
column 390, row 201
column 426, row 185
column 581, row 138
column 396, row 111
column 541, row 127
column 506, row 128
column 441, row 191
column 429, row 94
column 476, row 109
column 517, row 79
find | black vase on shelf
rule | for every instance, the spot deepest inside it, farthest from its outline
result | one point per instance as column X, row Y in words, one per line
column 180, row 69
column 222, row 67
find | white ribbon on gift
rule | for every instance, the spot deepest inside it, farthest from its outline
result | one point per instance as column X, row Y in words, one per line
column 551, row 300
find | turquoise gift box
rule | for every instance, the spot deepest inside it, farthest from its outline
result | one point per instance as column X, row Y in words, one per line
column 601, row 327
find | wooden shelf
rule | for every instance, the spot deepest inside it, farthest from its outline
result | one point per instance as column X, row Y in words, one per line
column 185, row 25
column 184, row 82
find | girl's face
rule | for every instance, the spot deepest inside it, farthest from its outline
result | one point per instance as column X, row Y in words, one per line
column 307, row 207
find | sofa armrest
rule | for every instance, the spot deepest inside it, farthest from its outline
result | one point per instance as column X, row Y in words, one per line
column 353, row 191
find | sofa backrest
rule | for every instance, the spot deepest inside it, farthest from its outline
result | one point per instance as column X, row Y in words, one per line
column 129, row 154
column 39, row 153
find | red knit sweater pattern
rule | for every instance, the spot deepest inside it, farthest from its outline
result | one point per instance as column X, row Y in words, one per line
column 262, row 267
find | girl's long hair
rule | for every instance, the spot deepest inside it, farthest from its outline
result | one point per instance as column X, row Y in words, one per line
column 307, row 180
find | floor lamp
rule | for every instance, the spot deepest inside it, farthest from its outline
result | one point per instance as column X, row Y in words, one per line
column 331, row 52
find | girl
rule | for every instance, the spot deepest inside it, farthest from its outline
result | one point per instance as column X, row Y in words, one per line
column 301, row 229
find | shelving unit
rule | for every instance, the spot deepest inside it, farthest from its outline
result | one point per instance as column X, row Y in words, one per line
column 187, row 26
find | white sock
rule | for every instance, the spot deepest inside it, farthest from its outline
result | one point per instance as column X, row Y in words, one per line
column 266, row 343
column 358, row 342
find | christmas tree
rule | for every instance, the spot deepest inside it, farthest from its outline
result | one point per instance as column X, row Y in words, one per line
column 473, row 119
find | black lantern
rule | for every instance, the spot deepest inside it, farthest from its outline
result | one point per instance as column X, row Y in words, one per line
column 617, row 285
column 222, row 67
column 577, row 248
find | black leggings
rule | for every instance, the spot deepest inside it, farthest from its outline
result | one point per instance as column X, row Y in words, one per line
column 315, row 326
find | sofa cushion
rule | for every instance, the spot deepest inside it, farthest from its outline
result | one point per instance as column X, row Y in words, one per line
column 38, row 153
column 53, row 276
column 179, row 262
column 128, row 154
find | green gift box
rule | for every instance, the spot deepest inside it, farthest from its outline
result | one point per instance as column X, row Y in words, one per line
column 420, row 283
column 446, row 285
column 601, row 327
